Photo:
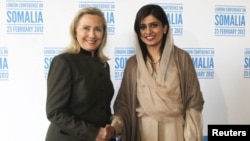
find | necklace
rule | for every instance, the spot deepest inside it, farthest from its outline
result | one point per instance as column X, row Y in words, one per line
column 154, row 61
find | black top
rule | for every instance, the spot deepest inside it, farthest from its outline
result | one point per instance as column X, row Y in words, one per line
column 79, row 94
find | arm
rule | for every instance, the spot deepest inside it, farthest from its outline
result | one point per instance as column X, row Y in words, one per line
column 58, row 98
column 126, row 102
column 193, row 100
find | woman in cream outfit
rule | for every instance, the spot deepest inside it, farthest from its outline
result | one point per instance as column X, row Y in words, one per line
column 160, row 97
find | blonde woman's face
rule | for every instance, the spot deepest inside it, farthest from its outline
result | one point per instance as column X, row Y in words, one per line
column 151, row 31
column 89, row 32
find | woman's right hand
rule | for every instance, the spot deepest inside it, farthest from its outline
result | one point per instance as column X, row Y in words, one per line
column 106, row 133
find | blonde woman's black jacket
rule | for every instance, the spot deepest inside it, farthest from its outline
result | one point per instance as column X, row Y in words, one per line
column 79, row 93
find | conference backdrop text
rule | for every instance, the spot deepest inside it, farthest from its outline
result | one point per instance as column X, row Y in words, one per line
column 214, row 32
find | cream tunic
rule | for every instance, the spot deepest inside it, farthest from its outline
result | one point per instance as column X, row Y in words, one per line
column 154, row 130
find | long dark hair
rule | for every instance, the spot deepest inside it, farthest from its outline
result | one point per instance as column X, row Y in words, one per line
column 157, row 12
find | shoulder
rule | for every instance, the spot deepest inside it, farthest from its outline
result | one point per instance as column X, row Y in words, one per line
column 63, row 60
column 181, row 54
column 131, row 65
column 132, row 60
column 180, row 51
column 59, row 59
column 65, row 57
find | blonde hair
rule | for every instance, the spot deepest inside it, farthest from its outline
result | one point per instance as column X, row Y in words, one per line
column 74, row 46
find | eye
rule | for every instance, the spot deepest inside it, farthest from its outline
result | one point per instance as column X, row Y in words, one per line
column 99, row 29
column 86, row 28
column 154, row 25
column 142, row 27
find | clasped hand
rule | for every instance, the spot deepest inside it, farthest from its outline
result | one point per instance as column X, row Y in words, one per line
column 105, row 133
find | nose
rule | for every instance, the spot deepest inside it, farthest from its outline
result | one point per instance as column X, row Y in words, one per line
column 148, row 30
column 92, row 33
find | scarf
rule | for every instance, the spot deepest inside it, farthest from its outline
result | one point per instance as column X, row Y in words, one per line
column 159, row 97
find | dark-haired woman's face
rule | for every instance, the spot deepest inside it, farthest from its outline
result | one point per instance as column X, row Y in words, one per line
column 151, row 31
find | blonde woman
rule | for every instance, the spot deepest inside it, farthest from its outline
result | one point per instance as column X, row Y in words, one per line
column 79, row 89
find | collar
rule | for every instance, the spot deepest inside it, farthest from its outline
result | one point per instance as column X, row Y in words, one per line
column 85, row 52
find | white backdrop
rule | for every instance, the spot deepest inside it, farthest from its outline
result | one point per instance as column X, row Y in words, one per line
column 215, row 33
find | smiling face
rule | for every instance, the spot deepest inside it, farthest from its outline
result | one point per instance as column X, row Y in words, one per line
column 90, row 32
column 151, row 31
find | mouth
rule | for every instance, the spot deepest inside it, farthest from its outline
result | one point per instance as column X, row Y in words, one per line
column 151, row 37
column 91, row 41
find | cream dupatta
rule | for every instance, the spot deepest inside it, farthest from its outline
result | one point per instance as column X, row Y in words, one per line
column 159, row 97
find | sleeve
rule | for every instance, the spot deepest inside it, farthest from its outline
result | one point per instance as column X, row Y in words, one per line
column 192, row 93
column 59, row 83
column 121, row 118
column 193, row 101
column 125, row 103
column 193, row 126
column 118, row 124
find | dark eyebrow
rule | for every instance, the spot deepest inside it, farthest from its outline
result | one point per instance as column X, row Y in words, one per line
column 155, row 23
column 151, row 23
